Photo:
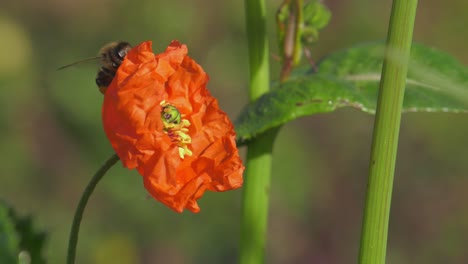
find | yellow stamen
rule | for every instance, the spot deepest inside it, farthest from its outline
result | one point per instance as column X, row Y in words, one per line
column 176, row 128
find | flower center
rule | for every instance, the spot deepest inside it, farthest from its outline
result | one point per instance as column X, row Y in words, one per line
column 176, row 128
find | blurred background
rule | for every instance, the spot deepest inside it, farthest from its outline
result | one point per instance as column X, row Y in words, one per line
column 52, row 139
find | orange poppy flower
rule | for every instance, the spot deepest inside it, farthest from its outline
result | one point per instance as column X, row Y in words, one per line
column 161, row 119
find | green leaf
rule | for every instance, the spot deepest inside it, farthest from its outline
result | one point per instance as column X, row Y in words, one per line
column 32, row 241
column 436, row 82
column 9, row 240
column 19, row 241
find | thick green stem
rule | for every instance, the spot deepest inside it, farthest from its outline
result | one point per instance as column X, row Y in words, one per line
column 386, row 129
column 259, row 155
column 82, row 205
column 258, row 48
column 256, row 199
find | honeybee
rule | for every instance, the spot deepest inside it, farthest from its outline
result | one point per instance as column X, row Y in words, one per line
column 110, row 56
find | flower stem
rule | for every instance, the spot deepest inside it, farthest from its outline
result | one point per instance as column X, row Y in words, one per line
column 255, row 199
column 258, row 48
column 82, row 204
column 386, row 129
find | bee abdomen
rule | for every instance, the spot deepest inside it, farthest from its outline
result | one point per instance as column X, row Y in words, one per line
column 104, row 78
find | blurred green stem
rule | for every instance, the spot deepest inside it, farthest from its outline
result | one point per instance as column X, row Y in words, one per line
column 82, row 205
column 292, row 45
column 386, row 130
column 255, row 198
column 258, row 48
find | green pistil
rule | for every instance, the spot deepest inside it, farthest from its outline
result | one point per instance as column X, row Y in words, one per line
column 176, row 128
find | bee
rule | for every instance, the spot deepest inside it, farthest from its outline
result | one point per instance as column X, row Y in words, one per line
column 110, row 56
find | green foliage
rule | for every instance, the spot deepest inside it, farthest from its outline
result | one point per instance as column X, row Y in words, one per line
column 18, row 239
column 316, row 17
column 436, row 82
column 9, row 240
column 298, row 27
